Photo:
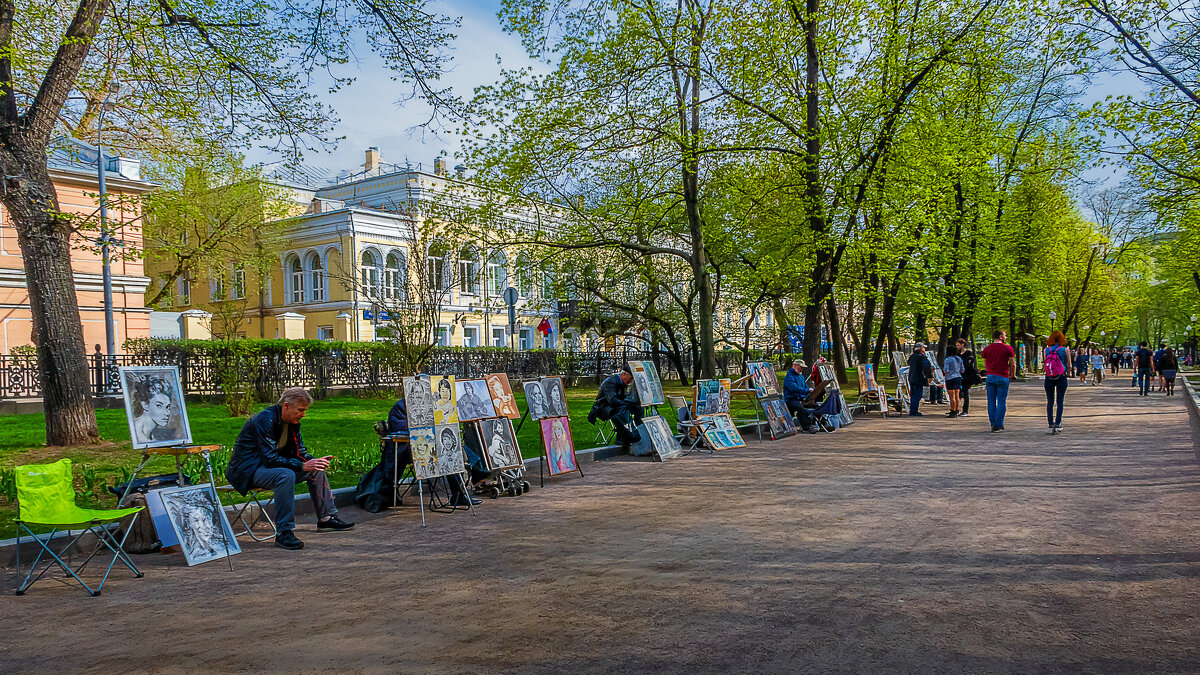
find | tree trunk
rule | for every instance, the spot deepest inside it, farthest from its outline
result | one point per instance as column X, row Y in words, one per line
column 44, row 236
column 837, row 343
column 813, row 194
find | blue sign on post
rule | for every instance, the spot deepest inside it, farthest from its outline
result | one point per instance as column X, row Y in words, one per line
column 371, row 315
column 796, row 337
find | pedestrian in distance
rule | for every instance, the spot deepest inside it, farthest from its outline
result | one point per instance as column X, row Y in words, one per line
column 1169, row 367
column 1000, row 364
column 1162, row 349
column 954, row 378
column 920, row 371
column 1054, row 374
column 1081, row 365
column 1145, row 365
column 971, row 375
column 1097, row 366
column 1114, row 362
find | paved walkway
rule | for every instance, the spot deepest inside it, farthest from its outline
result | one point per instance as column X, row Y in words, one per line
column 899, row 545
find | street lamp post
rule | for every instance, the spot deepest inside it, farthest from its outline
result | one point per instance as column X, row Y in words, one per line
column 105, row 240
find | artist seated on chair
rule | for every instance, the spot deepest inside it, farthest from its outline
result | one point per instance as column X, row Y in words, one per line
column 269, row 454
column 613, row 404
column 797, row 394
column 376, row 489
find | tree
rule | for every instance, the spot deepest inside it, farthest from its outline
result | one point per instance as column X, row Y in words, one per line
column 182, row 61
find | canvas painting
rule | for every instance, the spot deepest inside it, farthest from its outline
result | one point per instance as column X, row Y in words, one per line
column 499, row 443
column 662, row 441
column 764, row 379
column 418, row 398
column 556, row 397
column 656, row 389
column 869, row 377
column 712, row 397
column 939, row 378
column 199, row 523
column 474, row 402
column 154, row 406
column 724, row 439
column 778, row 417
column 437, row 451
column 560, row 450
column 847, row 418
column 445, row 404
column 828, row 374
column 503, row 401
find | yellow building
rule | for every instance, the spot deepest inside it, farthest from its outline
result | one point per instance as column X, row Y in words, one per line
column 352, row 253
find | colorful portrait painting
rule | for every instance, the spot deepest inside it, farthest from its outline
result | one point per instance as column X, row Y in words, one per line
column 503, row 401
column 560, row 450
column 445, row 402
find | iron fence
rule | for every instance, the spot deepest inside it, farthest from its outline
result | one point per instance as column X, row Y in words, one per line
column 361, row 371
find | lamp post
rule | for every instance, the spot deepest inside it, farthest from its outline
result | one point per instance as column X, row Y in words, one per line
column 110, row 101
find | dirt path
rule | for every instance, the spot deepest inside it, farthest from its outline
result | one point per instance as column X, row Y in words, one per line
column 899, row 545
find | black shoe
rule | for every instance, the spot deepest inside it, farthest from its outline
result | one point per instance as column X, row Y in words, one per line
column 287, row 539
column 916, row 414
column 462, row 500
column 334, row 524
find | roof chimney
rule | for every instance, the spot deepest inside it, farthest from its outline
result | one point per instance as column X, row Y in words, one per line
column 373, row 159
column 439, row 166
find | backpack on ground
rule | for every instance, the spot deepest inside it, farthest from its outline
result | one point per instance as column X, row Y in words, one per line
column 1054, row 365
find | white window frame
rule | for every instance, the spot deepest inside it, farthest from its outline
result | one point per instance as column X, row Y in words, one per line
column 473, row 332
column 443, row 335
column 317, row 275
column 296, row 271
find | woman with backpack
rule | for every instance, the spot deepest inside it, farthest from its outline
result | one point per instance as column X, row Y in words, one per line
column 1055, row 362
column 971, row 376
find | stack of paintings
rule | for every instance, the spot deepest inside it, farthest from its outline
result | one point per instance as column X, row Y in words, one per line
column 479, row 404
column 433, row 426
column 722, row 434
column 646, row 381
column 828, row 374
column 766, row 386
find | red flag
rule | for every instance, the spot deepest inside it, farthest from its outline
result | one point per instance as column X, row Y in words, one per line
column 545, row 327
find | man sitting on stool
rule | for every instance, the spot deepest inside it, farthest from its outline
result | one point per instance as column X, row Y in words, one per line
column 269, row 454
column 796, row 393
column 613, row 404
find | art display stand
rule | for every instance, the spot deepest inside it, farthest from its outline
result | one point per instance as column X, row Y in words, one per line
column 179, row 452
column 759, row 412
column 510, row 480
column 543, row 471
column 403, row 438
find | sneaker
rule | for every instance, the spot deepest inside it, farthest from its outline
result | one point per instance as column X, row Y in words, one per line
column 963, row 414
column 287, row 540
column 334, row 524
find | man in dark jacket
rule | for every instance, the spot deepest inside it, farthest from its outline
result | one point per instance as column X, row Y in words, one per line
column 269, row 454
column 919, row 372
column 376, row 489
column 796, row 393
column 612, row 403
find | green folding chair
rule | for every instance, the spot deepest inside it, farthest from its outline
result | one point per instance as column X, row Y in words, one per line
column 46, row 496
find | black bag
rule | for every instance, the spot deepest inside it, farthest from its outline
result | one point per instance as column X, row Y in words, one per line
column 148, row 483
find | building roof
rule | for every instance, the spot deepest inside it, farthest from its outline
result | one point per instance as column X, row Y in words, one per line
column 71, row 155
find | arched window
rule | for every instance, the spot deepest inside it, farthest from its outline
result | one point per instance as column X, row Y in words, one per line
column 497, row 275
column 435, row 263
column 393, row 276
column 297, row 274
column 468, row 271
column 524, row 275
column 317, row 274
column 370, row 274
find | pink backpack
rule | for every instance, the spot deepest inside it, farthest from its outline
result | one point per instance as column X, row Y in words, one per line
column 1054, row 365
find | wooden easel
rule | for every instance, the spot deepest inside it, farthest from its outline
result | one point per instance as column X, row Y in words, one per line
column 403, row 438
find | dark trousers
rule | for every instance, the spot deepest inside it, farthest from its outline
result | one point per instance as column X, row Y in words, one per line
column 965, row 396
column 1056, row 389
column 1143, row 379
column 282, row 481
column 626, row 422
column 914, row 403
column 803, row 417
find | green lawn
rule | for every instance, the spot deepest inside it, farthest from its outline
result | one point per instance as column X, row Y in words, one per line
column 339, row 426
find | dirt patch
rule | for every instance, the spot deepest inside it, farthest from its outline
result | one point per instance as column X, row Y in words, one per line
column 899, row 545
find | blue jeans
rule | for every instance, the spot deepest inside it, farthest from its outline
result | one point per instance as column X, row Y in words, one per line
column 997, row 397
column 1143, row 379
column 283, row 481
column 1056, row 387
column 914, row 402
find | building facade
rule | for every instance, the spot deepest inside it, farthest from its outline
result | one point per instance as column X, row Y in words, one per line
column 72, row 165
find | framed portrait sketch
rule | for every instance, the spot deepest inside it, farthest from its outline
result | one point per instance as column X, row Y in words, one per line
column 437, row 451
column 473, row 400
column 764, row 379
column 828, row 374
column 503, row 401
column 560, row 449
column 644, row 384
column 499, row 443
column 722, row 433
column 712, row 397
column 662, row 441
column 199, row 523
column 418, row 398
column 556, row 397
column 778, row 417
column 445, row 403
column 154, row 406
column 535, row 399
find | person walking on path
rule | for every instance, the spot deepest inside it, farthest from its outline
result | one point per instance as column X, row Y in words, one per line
column 1000, row 363
column 1081, row 365
column 1162, row 349
column 919, row 373
column 1114, row 362
column 1145, row 363
column 1055, row 375
column 970, row 375
column 954, row 378
column 1168, row 365
column 1097, row 366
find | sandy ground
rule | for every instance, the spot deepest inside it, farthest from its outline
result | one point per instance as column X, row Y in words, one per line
column 900, row 545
